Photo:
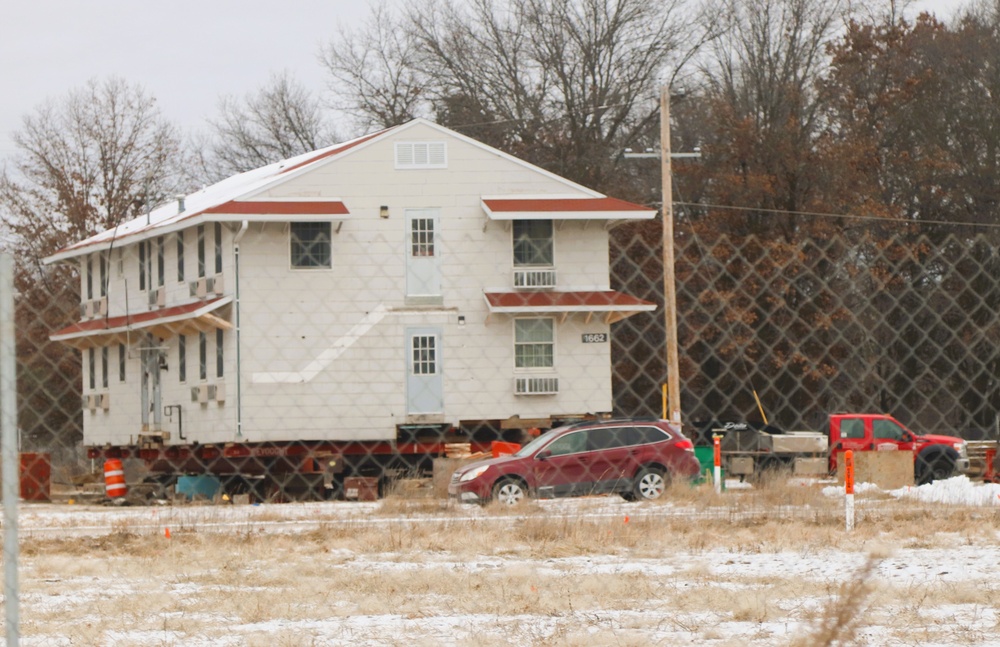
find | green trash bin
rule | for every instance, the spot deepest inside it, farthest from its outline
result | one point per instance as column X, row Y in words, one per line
column 706, row 458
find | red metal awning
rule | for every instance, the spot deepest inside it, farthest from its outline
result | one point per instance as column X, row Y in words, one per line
column 563, row 208
column 187, row 319
column 614, row 305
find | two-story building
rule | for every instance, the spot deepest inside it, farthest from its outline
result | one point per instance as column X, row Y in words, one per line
column 409, row 277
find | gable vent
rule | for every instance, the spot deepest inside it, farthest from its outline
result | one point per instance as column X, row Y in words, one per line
column 421, row 155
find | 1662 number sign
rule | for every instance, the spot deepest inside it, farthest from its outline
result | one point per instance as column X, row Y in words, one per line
column 595, row 338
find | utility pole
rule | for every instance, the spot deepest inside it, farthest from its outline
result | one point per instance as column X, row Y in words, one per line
column 669, row 285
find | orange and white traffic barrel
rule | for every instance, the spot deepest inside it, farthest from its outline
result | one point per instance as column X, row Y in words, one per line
column 114, row 478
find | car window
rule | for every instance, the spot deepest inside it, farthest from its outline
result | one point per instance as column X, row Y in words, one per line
column 650, row 435
column 886, row 429
column 607, row 438
column 852, row 428
column 569, row 444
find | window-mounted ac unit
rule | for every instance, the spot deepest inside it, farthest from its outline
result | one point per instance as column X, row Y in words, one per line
column 217, row 284
column 101, row 306
column 204, row 393
column 91, row 401
column 535, row 278
column 86, row 310
column 105, row 401
column 220, row 392
column 202, row 287
column 536, row 385
column 157, row 298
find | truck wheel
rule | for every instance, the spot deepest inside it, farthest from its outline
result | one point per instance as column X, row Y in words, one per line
column 649, row 484
column 509, row 491
column 934, row 465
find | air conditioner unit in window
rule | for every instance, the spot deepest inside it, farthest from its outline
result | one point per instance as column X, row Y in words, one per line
column 204, row 393
column 201, row 287
column 157, row 298
column 220, row 392
column 87, row 309
column 536, row 385
column 535, row 278
column 83, row 309
column 101, row 306
column 92, row 402
column 105, row 401
column 217, row 284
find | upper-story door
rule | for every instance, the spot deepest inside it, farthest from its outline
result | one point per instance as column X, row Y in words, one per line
column 423, row 254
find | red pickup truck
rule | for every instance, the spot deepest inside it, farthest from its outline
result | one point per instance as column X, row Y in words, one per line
column 935, row 457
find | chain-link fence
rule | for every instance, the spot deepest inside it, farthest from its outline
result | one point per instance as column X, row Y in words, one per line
column 267, row 342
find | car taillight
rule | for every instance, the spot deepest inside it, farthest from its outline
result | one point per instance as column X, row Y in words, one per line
column 686, row 444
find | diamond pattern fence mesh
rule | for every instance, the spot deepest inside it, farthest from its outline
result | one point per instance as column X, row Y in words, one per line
column 208, row 366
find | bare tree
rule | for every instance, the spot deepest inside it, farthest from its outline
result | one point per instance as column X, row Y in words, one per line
column 279, row 120
column 83, row 164
column 375, row 78
column 562, row 83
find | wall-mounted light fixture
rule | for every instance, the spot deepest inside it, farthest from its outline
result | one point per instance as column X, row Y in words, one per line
column 461, row 320
column 383, row 211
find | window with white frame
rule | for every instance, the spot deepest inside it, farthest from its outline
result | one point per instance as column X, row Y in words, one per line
column 89, row 271
column 180, row 256
column 202, row 356
column 534, row 343
column 311, row 245
column 200, row 232
column 422, row 237
column 424, row 355
column 533, row 243
column 182, row 358
column 218, row 248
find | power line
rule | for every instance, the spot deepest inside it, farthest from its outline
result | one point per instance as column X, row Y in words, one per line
column 821, row 214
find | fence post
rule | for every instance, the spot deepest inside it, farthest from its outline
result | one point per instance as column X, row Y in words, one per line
column 849, row 488
column 9, row 449
column 717, row 457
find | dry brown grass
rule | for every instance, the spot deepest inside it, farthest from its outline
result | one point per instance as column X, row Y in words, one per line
column 519, row 575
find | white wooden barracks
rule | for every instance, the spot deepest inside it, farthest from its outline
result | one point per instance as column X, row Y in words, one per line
column 409, row 276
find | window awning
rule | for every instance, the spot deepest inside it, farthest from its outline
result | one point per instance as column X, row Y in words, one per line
column 613, row 306
column 187, row 319
column 563, row 208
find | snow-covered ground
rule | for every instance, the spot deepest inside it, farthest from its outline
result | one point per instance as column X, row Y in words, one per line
column 367, row 574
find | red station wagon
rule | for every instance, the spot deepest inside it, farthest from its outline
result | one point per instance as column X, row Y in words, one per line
column 633, row 458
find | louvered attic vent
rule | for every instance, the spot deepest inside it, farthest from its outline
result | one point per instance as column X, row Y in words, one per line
column 410, row 155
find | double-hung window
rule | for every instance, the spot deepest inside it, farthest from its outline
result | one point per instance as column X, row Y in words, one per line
column 311, row 245
column 533, row 243
column 534, row 343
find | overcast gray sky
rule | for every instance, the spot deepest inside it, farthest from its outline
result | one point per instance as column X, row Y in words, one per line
column 186, row 53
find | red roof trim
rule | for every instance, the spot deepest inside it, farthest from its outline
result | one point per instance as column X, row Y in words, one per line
column 515, row 205
column 584, row 300
column 140, row 319
column 279, row 208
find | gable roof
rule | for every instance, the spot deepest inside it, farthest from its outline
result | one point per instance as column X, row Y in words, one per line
column 207, row 203
column 239, row 196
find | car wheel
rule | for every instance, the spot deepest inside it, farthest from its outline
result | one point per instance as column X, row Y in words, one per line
column 649, row 484
column 509, row 491
column 934, row 466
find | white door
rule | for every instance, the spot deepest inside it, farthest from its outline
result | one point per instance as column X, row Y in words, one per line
column 150, row 395
column 423, row 254
column 424, row 383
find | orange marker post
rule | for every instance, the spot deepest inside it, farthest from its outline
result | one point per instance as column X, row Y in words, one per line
column 849, row 488
column 717, row 473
